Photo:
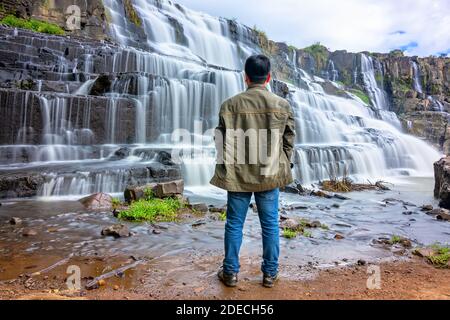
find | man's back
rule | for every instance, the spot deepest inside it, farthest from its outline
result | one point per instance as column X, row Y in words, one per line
column 257, row 128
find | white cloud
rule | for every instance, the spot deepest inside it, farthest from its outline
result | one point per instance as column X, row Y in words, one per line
column 354, row 25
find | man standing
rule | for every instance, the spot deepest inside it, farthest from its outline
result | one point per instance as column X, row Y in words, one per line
column 254, row 142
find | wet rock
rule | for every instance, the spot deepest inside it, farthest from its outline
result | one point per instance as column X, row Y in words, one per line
column 442, row 182
column 217, row 209
column 165, row 158
column 313, row 224
column 156, row 231
column 291, row 189
column 169, row 189
column 101, row 86
column 427, row 207
column 290, row 224
column 198, row 207
column 321, row 194
column 341, row 197
column 120, row 154
column 361, row 262
column 28, row 232
column 424, row 252
column 439, row 213
column 408, row 213
column 15, row 221
column 338, row 237
column 160, row 190
column 116, row 231
column 336, row 206
column 97, row 201
column 134, row 193
column 198, row 223
column 443, row 216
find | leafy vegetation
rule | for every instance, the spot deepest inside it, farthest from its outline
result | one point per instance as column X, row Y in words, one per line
column 32, row 24
column 152, row 210
column 149, row 194
column 132, row 13
column 307, row 234
column 441, row 257
column 223, row 216
column 364, row 97
column 395, row 239
column 116, row 203
column 259, row 32
column 320, row 54
column 289, row 233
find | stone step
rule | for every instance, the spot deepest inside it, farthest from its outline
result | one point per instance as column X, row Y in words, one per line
column 24, row 113
column 77, row 179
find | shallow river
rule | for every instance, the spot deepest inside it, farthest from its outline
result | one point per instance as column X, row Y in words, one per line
column 64, row 227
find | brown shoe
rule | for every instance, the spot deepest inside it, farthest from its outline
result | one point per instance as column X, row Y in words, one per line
column 269, row 281
column 230, row 280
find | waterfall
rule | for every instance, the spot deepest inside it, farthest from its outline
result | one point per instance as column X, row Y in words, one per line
column 332, row 73
column 377, row 94
column 173, row 72
column 416, row 77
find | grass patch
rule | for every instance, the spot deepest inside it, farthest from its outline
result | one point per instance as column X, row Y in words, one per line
column 116, row 203
column 152, row 210
column 320, row 54
column 441, row 257
column 223, row 216
column 364, row 97
column 395, row 239
column 289, row 233
column 32, row 24
column 131, row 12
column 307, row 234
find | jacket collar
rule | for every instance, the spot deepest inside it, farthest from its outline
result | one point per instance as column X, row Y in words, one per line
column 257, row 87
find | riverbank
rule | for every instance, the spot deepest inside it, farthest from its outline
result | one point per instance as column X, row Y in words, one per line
column 412, row 279
column 180, row 259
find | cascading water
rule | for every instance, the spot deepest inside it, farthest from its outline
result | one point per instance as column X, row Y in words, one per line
column 173, row 73
column 416, row 77
column 377, row 94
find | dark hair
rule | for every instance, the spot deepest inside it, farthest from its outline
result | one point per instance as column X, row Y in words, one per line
column 257, row 68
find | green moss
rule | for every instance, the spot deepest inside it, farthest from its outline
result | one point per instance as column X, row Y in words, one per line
column 320, row 54
column 116, row 203
column 159, row 210
column 396, row 53
column 364, row 97
column 32, row 24
column 441, row 257
column 324, row 227
column 149, row 194
column 307, row 234
column 223, row 216
column 259, row 32
column 132, row 13
column 289, row 233
column 395, row 239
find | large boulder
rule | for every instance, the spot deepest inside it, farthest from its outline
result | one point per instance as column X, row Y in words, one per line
column 442, row 182
column 97, row 201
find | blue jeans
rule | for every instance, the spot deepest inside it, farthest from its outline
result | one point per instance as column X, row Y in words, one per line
column 238, row 204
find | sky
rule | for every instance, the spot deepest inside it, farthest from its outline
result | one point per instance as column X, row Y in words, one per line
column 418, row 27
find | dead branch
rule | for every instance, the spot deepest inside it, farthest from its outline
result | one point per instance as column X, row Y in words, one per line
column 95, row 282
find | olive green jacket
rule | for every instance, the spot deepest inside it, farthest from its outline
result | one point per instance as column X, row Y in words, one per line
column 255, row 110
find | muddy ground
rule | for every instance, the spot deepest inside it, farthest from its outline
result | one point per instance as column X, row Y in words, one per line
column 196, row 279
